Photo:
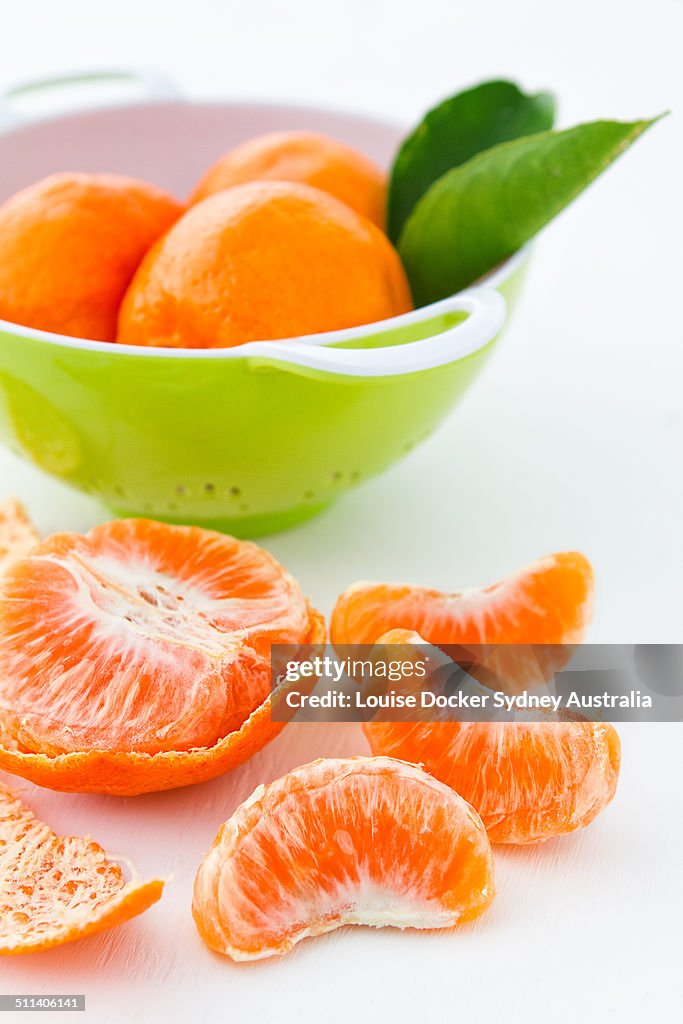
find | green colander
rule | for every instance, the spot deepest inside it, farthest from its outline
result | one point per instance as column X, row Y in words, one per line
column 252, row 439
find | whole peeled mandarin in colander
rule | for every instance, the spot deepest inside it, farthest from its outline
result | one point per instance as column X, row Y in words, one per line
column 305, row 157
column 69, row 246
column 263, row 261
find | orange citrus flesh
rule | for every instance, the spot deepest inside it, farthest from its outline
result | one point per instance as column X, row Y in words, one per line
column 548, row 602
column 123, row 773
column 365, row 841
column 17, row 534
column 69, row 246
column 140, row 641
column 55, row 890
column 529, row 781
column 263, row 261
column 308, row 158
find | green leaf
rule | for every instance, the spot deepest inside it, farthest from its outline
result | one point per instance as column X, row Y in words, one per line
column 456, row 130
column 480, row 213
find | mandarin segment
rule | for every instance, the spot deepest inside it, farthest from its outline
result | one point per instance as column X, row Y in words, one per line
column 263, row 261
column 136, row 656
column 55, row 890
column 69, row 246
column 529, row 781
column 308, row 158
column 548, row 602
column 360, row 841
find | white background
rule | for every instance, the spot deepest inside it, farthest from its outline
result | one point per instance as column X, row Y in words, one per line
column 570, row 439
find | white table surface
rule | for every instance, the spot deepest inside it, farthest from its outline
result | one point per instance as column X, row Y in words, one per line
column 571, row 439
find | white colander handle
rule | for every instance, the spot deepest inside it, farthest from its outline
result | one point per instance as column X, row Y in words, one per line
column 485, row 306
column 153, row 84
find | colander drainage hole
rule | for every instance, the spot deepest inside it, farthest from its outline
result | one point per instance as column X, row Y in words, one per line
column 235, row 492
column 180, row 489
column 210, row 488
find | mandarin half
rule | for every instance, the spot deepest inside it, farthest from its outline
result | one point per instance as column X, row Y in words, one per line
column 137, row 656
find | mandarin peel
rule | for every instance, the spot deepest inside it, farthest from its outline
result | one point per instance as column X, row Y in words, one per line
column 55, row 890
column 18, row 536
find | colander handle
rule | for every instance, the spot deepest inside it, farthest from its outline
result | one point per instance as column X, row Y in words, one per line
column 486, row 315
column 153, row 84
